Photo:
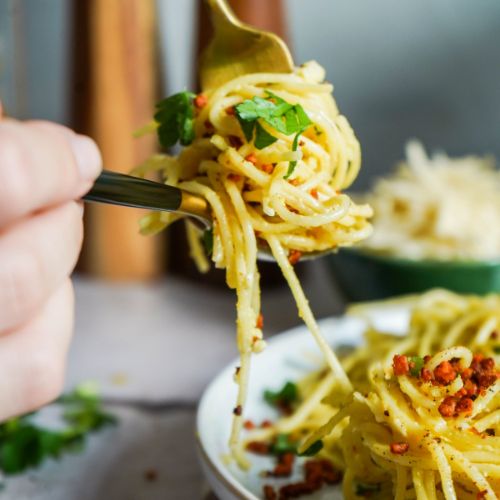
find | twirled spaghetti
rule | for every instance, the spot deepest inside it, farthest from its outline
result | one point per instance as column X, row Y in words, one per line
column 286, row 195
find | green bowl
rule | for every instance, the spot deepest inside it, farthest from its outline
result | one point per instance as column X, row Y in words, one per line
column 366, row 276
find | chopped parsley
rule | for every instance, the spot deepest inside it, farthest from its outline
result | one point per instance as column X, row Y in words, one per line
column 366, row 489
column 278, row 114
column 416, row 365
column 207, row 239
column 314, row 449
column 25, row 444
column 175, row 118
column 288, row 394
column 283, row 444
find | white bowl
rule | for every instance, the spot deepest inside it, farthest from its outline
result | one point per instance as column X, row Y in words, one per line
column 289, row 356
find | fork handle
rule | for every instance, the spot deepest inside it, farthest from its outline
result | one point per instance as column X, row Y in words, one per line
column 120, row 189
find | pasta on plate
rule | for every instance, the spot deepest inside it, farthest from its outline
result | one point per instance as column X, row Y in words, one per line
column 424, row 418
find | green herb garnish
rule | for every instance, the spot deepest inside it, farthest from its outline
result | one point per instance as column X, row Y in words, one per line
column 417, row 364
column 314, row 449
column 288, row 394
column 282, row 444
column 496, row 349
column 207, row 239
column 366, row 489
column 25, row 444
column 276, row 113
column 175, row 118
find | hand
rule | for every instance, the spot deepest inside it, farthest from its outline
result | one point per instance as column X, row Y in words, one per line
column 44, row 167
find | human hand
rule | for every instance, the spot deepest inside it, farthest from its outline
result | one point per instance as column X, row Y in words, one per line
column 44, row 167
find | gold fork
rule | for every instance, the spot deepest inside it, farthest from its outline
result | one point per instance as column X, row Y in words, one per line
column 238, row 49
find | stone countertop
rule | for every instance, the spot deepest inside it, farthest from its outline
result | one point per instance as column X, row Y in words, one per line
column 153, row 348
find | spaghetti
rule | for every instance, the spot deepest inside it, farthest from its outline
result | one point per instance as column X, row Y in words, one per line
column 417, row 425
column 271, row 154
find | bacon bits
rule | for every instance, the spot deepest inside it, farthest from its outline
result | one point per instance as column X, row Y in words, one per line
column 464, row 405
column 269, row 493
column 284, row 466
column 248, row 425
column 399, row 448
column 234, row 177
column 317, row 473
column 231, row 111
column 200, row 101
column 235, row 141
column 294, row 256
column 258, row 447
column 314, row 193
column 448, row 406
column 444, row 373
column 400, row 365
column 260, row 322
column 251, row 158
column 268, row 168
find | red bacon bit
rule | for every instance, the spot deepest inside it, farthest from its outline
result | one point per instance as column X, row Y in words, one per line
column 494, row 335
column 488, row 364
column 238, row 411
column 399, row 448
column 448, row 406
column 248, row 425
column 295, row 182
column 301, row 143
column 444, row 373
column 400, row 365
column 465, row 405
column 200, row 101
column 317, row 473
column 425, row 375
column 427, row 358
column 481, row 495
column 260, row 321
column 231, row 111
column 235, row 141
column 268, row 168
column 234, row 177
column 314, row 193
column 284, row 466
column 251, row 158
column 269, row 493
column 471, row 388
column 266, row 424
column 258, row 447
column 294, row 256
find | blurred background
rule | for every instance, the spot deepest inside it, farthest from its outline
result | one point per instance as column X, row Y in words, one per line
column 423, row 69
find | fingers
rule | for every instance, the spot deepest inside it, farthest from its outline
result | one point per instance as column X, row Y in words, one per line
column 42, row 164
column 32, row 358
column 36, row 255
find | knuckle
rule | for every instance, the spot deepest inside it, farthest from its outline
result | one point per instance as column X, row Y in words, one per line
column 14, row 181
column 22, row 284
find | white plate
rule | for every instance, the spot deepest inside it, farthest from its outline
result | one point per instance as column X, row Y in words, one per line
column 289, row 356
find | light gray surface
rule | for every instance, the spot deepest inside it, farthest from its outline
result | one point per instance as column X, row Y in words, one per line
column 156, row 345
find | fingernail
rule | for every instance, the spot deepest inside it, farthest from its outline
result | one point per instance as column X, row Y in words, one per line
column 87, row 156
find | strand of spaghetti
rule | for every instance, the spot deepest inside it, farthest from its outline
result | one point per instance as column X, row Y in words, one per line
column 471, row 471
column 305, row 311
column 443, row 468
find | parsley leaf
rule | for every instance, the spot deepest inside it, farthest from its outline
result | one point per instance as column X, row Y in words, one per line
column 207, row 239
column 25, row 444
column 282, row 116
column 313, row 449
column 282, row 444
column 175, row 118
column 416, row 363
column 289, row 393
column 262, row 137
